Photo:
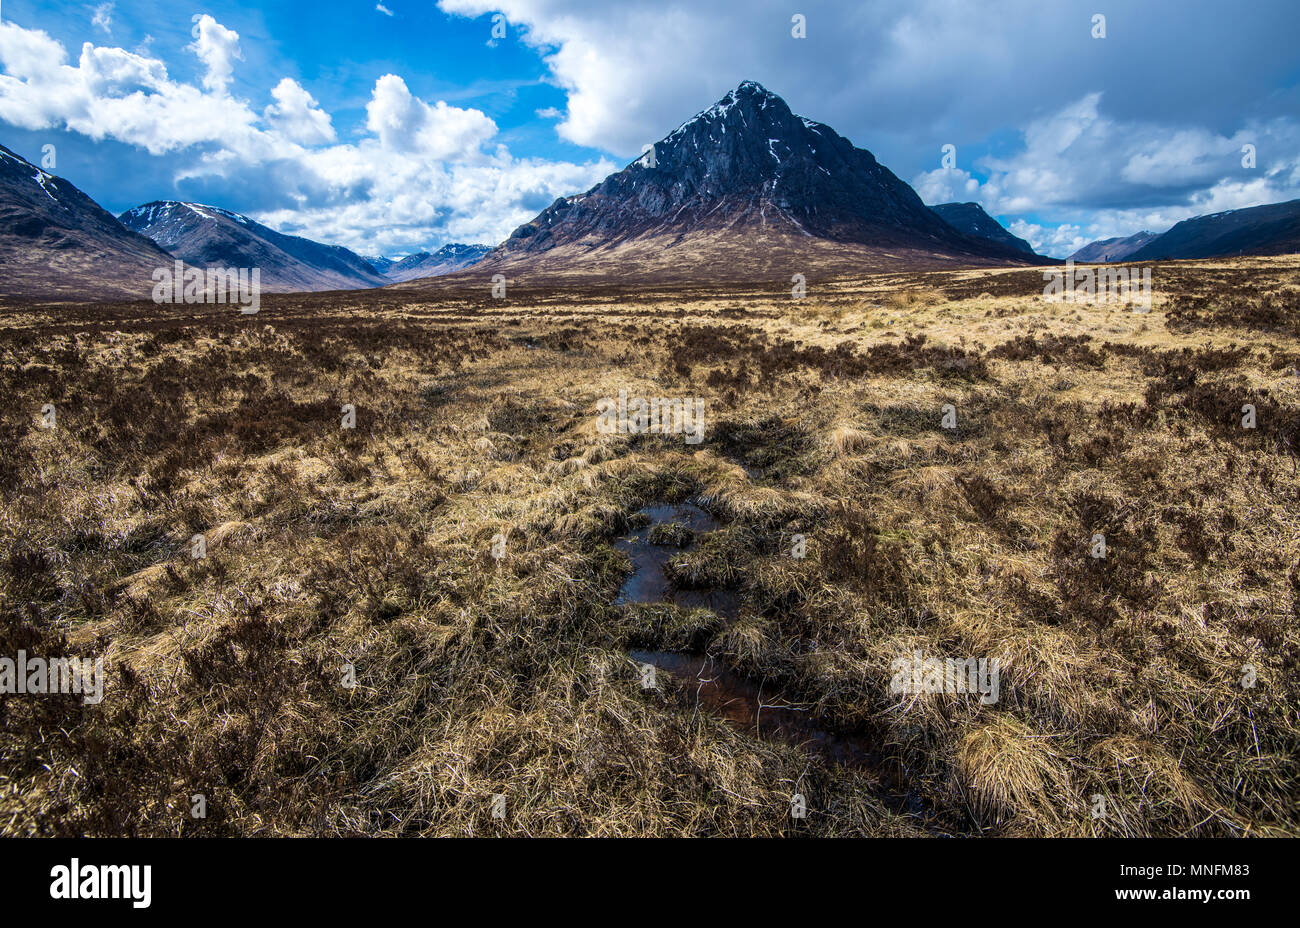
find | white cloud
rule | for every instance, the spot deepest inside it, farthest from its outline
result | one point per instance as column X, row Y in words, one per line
column 1101, row 177
column 1061, row 241
column 627, row 66
column 297, row 116
column 383, row 9
column 103, row 18
column 946, row 185
column 407, row 124
column 110, row 93
column 411, row 204
column 422, row 174
column 29, row 53
column 218, row 49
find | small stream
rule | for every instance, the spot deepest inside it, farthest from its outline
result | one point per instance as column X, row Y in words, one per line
column 648, row 584
column 740, row 702
column 749, row 708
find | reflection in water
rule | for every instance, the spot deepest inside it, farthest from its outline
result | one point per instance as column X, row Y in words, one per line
column 648, row 584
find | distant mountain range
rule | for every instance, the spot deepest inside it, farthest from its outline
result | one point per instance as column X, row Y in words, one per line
column 446, row 260
column 1256, row 230
column 207, row 236
column 57, row 243
column 1113, row 249
column 1273, row 229
column 971, row 219
column 744, row 190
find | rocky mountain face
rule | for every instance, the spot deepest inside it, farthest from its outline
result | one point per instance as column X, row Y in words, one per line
column 57, row 243
column 1258, row 230
column 742, row 180
column 446, row 260
column 971, row 219
column 210, row 237
column 1112, row 249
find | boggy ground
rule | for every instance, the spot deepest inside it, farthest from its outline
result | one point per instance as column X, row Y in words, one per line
column 1124, row 677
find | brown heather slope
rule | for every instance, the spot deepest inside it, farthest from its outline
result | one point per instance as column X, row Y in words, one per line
column 767, row 256
column 56, row 243
column 476, row 676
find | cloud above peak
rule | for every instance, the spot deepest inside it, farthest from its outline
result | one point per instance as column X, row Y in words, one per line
column 297, row 116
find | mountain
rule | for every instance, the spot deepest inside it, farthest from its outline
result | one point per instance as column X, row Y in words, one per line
column 58, row 243
column 746, row 189
column 210, row 237
column 379, row 264
column 971, row 219
column 1112, row 249
column 1256, row 230
column 446, row 260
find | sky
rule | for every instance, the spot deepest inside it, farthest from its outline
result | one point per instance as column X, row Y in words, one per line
column 399, row 126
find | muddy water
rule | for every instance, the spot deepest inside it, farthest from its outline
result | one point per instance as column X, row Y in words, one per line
column 647, row 582
column 738, row 701
column 752, row 709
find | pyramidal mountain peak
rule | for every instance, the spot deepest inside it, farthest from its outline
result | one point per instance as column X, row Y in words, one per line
column 749, row 169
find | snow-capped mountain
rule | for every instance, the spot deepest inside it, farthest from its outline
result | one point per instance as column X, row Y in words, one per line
column 446, row 260
column 58, row 243
column 971, row 219
column 207, row 236
column 745, row 169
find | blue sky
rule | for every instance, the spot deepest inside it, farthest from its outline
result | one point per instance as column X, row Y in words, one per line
column 402, row 130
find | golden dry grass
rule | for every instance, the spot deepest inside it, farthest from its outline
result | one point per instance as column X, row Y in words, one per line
column 476, row 675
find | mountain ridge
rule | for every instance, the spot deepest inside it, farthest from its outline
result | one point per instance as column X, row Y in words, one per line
column 1270, row 229
column 58, row 243
column 972, row 219
column 209, row 236
column 1113, row 249
column 446, row 260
